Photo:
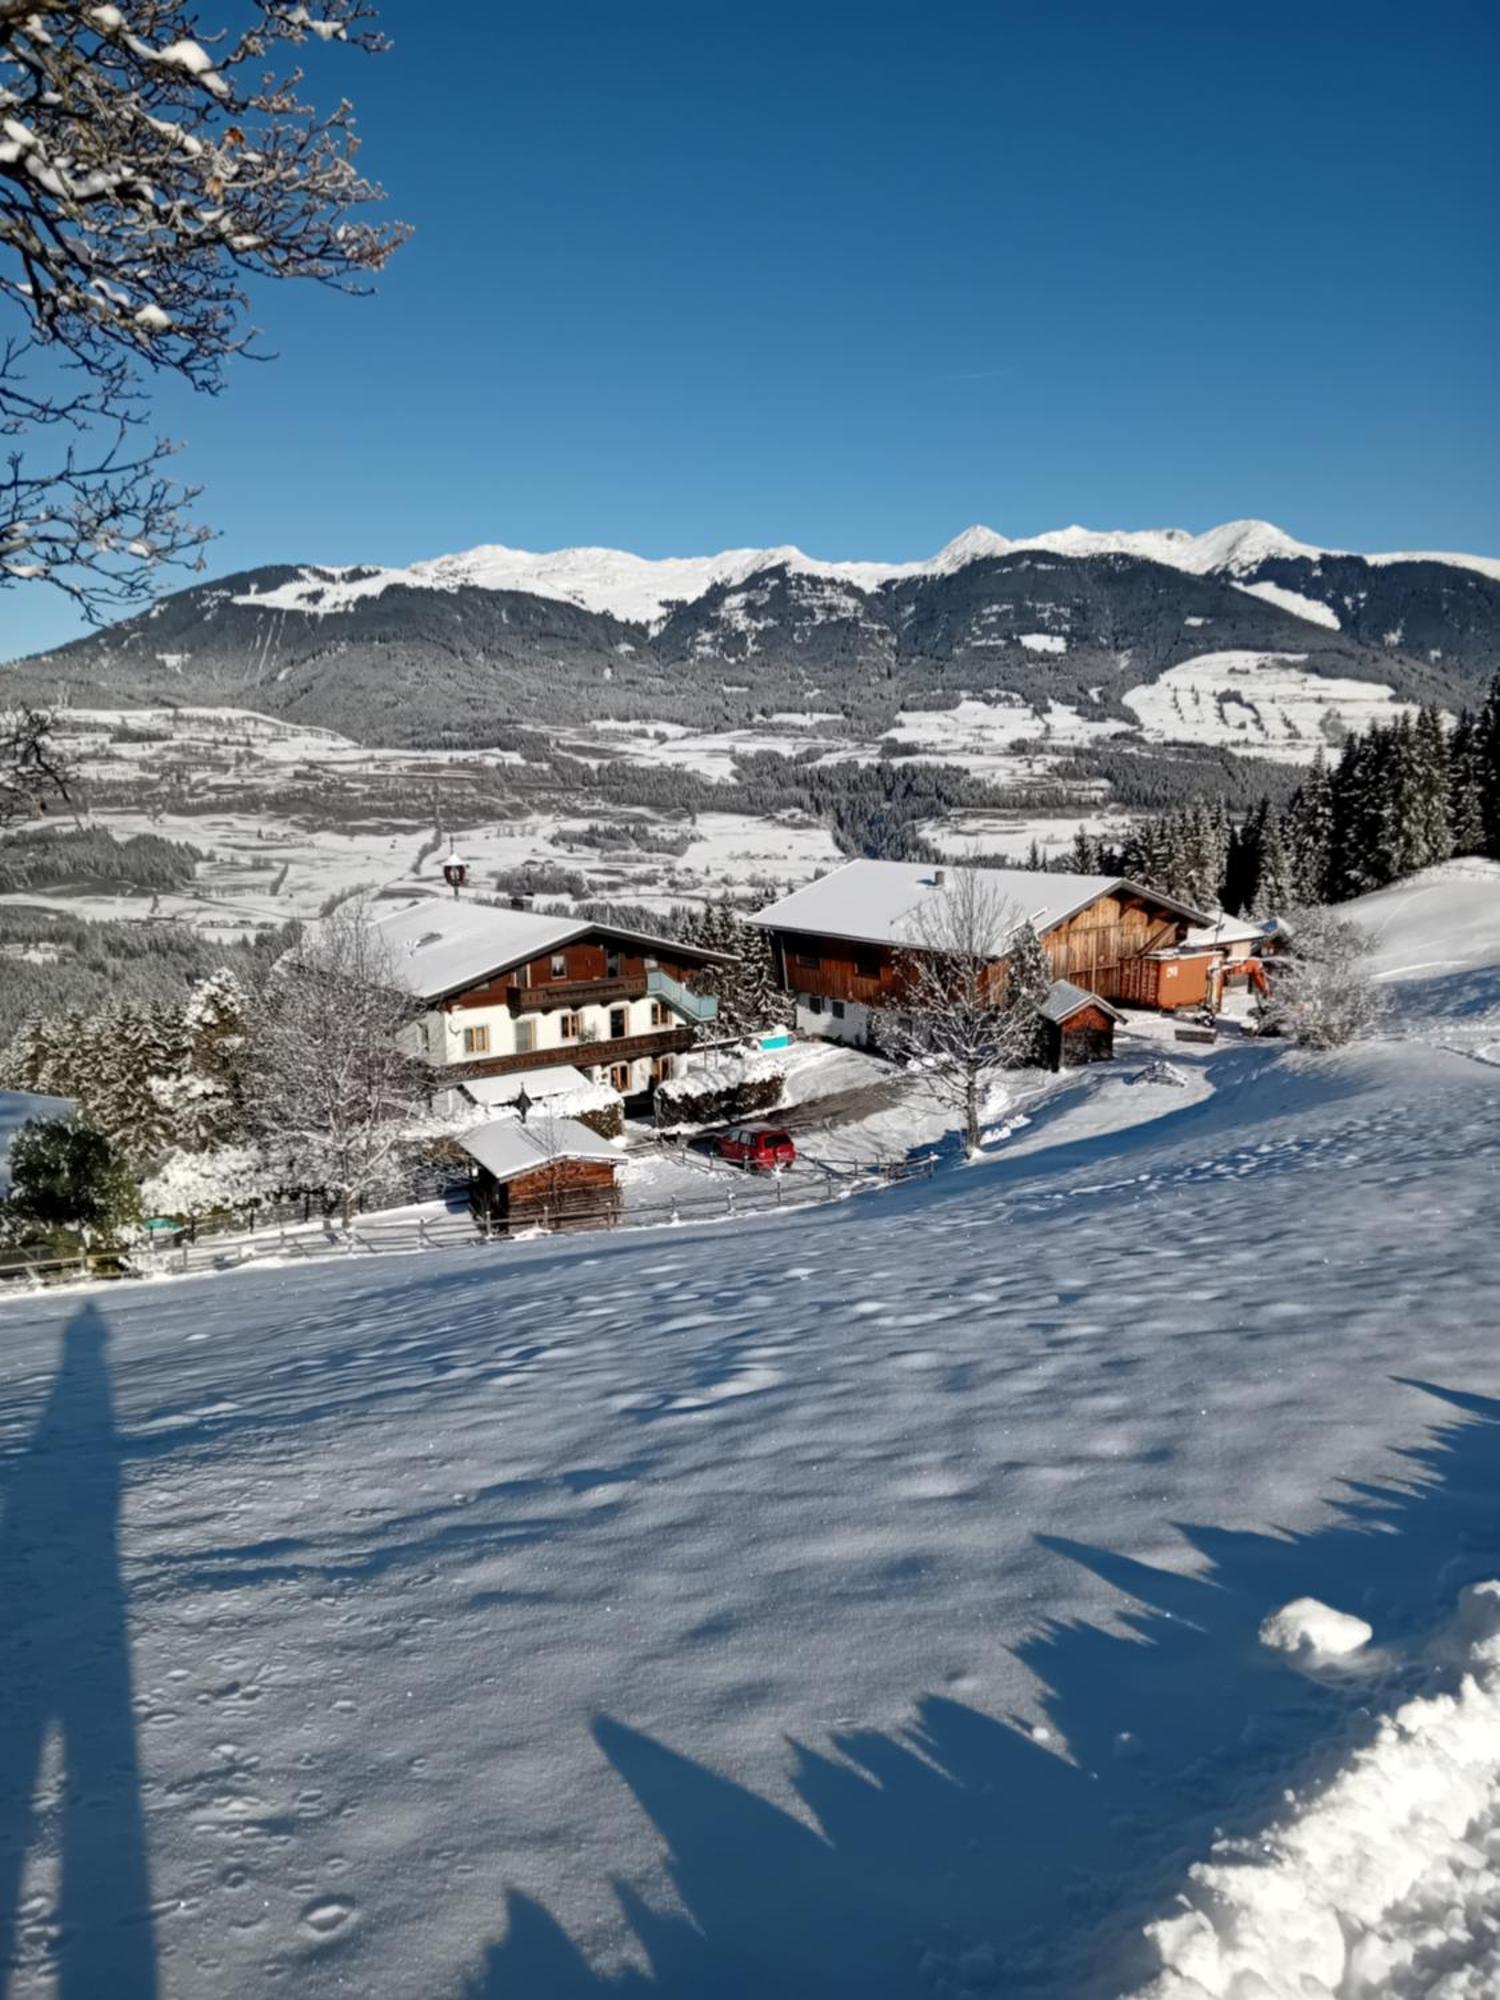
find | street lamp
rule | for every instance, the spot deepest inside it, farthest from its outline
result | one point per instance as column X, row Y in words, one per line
column 455, row 871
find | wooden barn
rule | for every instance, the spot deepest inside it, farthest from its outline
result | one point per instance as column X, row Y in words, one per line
column 839, row 944
column 1080, row 1027
column 554, row 1175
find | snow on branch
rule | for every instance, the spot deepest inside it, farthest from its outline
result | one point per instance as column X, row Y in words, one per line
column 152, row 168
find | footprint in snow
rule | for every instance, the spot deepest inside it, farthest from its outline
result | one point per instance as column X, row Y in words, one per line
column 327, row 1915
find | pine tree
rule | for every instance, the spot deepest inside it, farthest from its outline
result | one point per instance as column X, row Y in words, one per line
column 1433, row 840
column 1487, row 760
column 1466, row 787
column 1309, row 829
column 1275, row 888
column 1086, row 858
column 1028, row 981
column 1242, row 865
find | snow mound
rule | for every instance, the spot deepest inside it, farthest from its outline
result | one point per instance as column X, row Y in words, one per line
column 1387, row 1883
column 1160, row 1071
column 1306, row 1626
column 1440, row 920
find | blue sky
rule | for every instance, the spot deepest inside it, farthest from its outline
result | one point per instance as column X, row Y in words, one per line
column 688, row 277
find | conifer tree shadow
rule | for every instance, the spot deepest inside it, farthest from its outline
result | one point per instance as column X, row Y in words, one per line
column 962, row 1853
column 65, row 1671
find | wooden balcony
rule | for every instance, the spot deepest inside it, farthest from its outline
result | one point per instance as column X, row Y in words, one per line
column 580, row 1055
column 558, row 993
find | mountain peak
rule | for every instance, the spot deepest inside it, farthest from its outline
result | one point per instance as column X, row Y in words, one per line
column 973, row 545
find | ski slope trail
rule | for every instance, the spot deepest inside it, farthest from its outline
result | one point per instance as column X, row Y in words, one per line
column 858, row 1602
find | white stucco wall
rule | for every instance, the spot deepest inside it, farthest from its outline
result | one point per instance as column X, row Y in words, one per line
column 445, row 1032
column 853, row 1026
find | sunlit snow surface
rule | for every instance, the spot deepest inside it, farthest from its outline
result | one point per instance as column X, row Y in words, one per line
column 857, row 1603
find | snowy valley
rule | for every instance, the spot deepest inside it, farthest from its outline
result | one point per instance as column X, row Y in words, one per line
column 866, row 1601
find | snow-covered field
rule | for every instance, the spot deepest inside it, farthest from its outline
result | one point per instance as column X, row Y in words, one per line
column 864, row 1602
column 1260, row 704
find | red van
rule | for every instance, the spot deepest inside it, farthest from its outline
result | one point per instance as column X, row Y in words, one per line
column 756, row 1152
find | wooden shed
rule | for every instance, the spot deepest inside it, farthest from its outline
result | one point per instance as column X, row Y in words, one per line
column 556, row 1174
column 1079, row 1026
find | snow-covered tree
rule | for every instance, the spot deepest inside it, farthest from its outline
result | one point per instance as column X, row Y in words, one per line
column 1275, row 880
column 1028, row 981
column 1322, row 994
column 155, row 163
column 750, row 999
column 1466, row 787
column 954, row 1020
column 66, row 1175
column 329, row 1087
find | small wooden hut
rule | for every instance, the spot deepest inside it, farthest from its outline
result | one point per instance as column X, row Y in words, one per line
column 556, row 1174
column 1079, row 1027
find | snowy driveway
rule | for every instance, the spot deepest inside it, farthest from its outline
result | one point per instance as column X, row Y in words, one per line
column 856, row 1603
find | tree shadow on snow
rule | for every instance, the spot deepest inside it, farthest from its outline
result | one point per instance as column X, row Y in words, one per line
column 965, row 1853
column 65, row 1676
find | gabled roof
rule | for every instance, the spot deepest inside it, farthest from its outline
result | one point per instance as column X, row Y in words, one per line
column 441, row 944
column 505, row 1147
column 556, row 1080
column 1064, row 1000
column 878, row 902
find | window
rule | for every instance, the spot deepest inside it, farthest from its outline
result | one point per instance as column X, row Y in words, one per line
column 611, row 965
column 814, row 1003
column 836, row 1008
column 525, row 1037
column 570, row 1027
column 476, row 1041
column 660, row 1018
column 867, row 964
column 619, row 1077
column 559, row 965
column 619, row 1023
column 810, row 959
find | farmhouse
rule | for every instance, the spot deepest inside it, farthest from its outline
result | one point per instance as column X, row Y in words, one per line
column 537, row 1176
column 512, row 990
column 838, row 943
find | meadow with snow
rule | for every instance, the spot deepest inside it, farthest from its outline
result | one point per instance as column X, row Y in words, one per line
column 905, row 1598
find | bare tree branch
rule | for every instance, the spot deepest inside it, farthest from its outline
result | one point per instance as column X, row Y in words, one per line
column 331, row 1088
column 956, row 1019
column 151, row 169
column 32, row 768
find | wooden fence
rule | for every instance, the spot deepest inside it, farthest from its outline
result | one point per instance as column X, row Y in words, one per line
column 724, row 1197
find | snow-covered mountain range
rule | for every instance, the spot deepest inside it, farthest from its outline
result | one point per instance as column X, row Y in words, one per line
column 643, row 590
column 459, row 644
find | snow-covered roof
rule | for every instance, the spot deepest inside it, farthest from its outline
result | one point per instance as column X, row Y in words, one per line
column 18, row 1108
column 878, row 902
column 505, row 1147
column 559, row 1080
column 1228, row 930
column 1064, row 1000
column 441, row 944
